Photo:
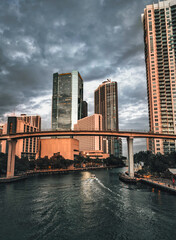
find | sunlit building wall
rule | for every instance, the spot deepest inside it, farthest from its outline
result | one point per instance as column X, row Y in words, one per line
column 91, row 123
column 159, row 23
column 96, row 154
column 66, row 147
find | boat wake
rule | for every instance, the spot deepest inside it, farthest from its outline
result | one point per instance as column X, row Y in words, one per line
column 103, row 185
column 94, row 178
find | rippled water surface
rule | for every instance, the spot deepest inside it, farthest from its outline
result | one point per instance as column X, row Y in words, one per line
column 77, row 206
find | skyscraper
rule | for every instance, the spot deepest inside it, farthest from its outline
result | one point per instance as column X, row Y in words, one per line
column 1, row 129
column 106, row 104
column 67, row 100
column 84, row 109
column 159, row 23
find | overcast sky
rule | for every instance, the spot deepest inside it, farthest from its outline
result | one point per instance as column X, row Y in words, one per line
column 99, row 38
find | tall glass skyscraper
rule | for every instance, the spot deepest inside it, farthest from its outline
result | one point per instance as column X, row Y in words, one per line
column 106, row 104
column 67, row 100
column 159, row 23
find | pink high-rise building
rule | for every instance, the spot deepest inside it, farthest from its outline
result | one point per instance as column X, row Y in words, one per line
column 24, row 147
column 159, row 23
column 90, row 123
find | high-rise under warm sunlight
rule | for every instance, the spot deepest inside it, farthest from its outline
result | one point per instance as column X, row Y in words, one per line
column 159, row 23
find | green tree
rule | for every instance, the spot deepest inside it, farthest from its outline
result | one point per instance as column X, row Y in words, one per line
column 3, row 163
column 21, row 164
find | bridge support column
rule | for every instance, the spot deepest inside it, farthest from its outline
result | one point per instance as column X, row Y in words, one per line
column 130, row 157
column 11, row 158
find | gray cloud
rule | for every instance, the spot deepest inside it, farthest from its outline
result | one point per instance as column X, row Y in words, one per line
column 99, row 38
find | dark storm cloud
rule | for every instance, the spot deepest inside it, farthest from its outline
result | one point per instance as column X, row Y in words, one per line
column 97, row 37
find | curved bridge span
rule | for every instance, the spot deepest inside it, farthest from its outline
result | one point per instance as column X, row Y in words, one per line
column 12, row 139
column 88, row 133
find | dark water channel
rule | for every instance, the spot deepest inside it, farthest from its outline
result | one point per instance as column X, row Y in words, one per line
column 77, row 206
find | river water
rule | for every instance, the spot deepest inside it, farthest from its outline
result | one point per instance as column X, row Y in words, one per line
column 76, row 206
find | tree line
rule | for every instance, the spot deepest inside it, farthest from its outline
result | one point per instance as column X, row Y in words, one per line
column 56, row 162
column 155, row 164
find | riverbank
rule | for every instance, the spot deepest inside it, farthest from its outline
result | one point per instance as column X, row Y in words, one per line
column 162, row 184
column 13, row 179
column 165, row 186
column 50, row 172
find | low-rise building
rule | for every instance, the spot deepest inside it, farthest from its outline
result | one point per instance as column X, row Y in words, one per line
column 27, row 147
column 66, row 147
column 95, row 154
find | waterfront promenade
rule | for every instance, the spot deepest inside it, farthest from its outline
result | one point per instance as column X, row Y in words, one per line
column 160, row 183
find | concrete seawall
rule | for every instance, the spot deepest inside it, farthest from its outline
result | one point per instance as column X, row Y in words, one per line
column 13, row 179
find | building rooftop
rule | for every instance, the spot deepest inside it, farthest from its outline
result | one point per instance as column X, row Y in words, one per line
column 108, row 81
column 162, row 4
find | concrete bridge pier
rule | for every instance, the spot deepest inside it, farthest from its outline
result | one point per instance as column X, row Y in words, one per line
column 130, row 157
column 11, row 158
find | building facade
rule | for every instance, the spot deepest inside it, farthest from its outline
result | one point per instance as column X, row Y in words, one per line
column 27, row 147
column 1, row 132
column 67, row 100
column 159, row 24
column 66, row 147
column 84, row 109
column 1, row 129
column 96, row 154
column 91, row 123
column 106, row 104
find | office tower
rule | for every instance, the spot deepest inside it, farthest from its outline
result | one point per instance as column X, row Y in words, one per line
column 118, row 147
column 1, row 129
column 84, row 109
column 91, row 123
column 159, row 24
column 67, row 100
column 106, row 104
column 27, row 147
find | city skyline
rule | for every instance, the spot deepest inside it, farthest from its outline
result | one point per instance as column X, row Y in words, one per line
column 87, row 119
column 30, row 60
